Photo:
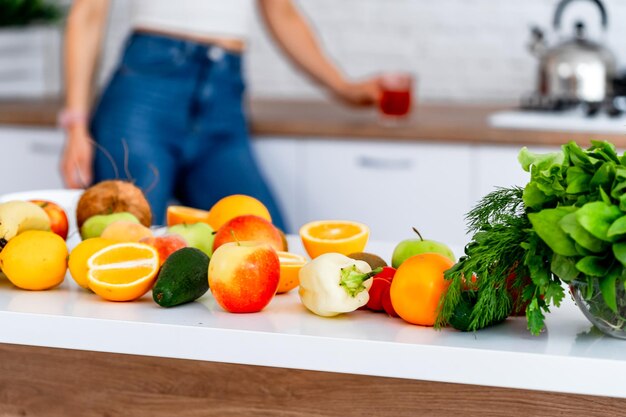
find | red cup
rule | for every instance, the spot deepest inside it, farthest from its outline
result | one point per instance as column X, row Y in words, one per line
column 396, row 91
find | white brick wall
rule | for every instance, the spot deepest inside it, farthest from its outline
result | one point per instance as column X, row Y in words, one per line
column 461, row 50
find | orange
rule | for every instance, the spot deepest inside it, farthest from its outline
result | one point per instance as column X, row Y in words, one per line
column 418, row 286
column 338, row 236
column 123, row 271
column 234, row 206
column 79, row 256
column 290, row 265
column 186, row 215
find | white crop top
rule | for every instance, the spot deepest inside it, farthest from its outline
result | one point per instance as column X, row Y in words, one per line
column 224, row 18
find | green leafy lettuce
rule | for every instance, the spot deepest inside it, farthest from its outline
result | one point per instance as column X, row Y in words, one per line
column 568, row 224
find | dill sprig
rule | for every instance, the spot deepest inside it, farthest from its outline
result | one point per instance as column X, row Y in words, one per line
column 500, row 227
column 494, row 207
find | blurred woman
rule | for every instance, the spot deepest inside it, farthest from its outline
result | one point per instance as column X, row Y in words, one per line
column 173, row 107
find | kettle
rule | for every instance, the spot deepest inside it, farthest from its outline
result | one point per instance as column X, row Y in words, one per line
column 577, row 70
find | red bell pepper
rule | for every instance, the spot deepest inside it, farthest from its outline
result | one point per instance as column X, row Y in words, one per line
column 380, row 289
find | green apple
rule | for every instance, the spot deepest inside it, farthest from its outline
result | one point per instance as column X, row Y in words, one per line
column 410, row 247
column 95, row 225
column 197, row 235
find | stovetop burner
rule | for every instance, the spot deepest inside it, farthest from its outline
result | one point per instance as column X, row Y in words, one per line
column 537, row 102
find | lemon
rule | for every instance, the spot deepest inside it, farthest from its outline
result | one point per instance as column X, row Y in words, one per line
column 81, row 254
column 35, row 260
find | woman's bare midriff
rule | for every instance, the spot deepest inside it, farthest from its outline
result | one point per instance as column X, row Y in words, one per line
column 230, row 44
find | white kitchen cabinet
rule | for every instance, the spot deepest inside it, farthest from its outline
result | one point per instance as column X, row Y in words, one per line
column 30, row 159
column 280, row 160
column 390, row 186
column 497, row 166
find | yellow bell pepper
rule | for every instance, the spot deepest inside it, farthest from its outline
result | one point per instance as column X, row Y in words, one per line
column 333, row 284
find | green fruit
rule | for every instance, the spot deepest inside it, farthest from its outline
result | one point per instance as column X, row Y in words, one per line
column 95, row 225
column 197, row 235
column 411, row 247
column 183, row 278
column 374, row 261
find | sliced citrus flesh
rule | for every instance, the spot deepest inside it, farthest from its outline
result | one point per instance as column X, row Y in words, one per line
column 123, row 271
column 79, row 256
column 186, row 215
column 121, row 253
column 234, row 206
column 121, row 276
column 290, row 265
column 339, row 236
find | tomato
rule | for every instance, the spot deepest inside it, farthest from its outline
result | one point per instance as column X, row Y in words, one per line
column 517, row 294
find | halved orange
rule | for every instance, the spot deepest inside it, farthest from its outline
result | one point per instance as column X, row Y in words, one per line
column 290, row 265
column 79, row 256
column 188, row 215
column 339, row 236
column 123, row 271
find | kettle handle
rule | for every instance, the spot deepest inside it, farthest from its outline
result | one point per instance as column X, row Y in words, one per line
column 564, row 3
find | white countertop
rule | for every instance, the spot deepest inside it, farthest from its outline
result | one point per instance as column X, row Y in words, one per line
column 567, row 357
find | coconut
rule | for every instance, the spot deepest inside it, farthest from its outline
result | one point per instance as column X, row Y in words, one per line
column 113, row 196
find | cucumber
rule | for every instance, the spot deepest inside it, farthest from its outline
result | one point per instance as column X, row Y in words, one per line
column 183, row 278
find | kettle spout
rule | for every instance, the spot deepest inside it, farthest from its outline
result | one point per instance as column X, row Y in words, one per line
column 537, row 45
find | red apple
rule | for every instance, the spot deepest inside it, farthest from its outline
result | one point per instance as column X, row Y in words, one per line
column 248, row 228
column 165, row 245
column 57, row 216
column 244, row 276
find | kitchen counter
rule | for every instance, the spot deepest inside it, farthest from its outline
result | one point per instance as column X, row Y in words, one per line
column 452, row 123
column 568, row 357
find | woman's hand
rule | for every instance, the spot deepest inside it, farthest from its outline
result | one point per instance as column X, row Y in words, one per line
column 77, row 161
column 293, row 34
column 363, row 93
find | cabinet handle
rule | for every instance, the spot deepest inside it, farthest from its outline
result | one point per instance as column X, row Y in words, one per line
column 398, row 164
column 42, row 148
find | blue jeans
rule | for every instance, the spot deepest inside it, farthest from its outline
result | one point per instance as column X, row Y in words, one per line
column 177, row 108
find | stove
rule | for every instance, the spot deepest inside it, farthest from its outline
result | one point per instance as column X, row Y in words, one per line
column 543, row 113
column 536, row 102
column 569, row 120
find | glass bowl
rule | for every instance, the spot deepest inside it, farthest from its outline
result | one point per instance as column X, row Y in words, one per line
column 590, row 301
